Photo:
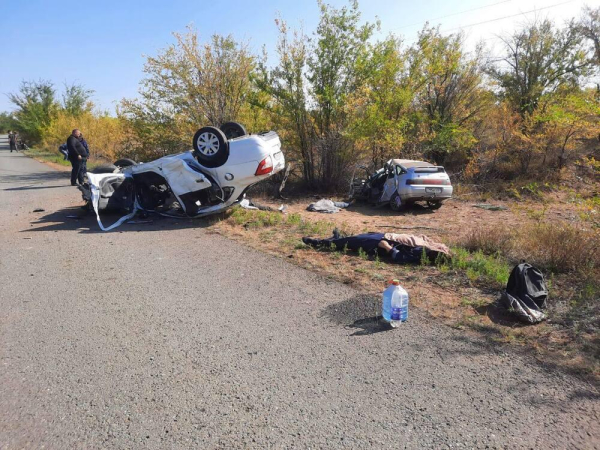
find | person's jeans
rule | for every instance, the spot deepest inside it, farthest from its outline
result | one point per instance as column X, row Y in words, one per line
column 83, row 169
column 76, row 175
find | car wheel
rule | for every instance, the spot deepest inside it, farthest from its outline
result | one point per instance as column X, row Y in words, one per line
column 211, row 147
column 233, row 130
column 396, row 203
column 125, row 162
column 105, row 168
column 432, row 204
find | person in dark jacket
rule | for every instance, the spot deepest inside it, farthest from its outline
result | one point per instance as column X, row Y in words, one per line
column 85, row 157
column 76, row 154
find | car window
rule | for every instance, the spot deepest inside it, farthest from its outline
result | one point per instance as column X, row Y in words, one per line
column 399, row 170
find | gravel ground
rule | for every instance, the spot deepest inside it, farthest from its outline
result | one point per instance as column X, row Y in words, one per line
column 164, row 335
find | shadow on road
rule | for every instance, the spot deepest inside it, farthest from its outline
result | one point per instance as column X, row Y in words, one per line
column 361, row 312
column 38, row 177
column 29, row 188
column 84, row 221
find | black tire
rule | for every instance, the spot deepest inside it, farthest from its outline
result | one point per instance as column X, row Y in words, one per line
column 105, row 168
column 434, row 204
column 233, row 130
column 211, row 148
column 125, row 162
column 396, row 203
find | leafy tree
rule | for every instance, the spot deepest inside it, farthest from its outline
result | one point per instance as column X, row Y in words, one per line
column 381, row 108
column 76, row 99
column 187, row 85
column 286, row 97
column 540, row 59
column 448, row 90
column 36, row 106
column 589, row 27
column 7, row 122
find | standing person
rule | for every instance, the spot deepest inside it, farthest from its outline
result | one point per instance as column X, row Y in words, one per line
column 85, row 157
column 12, row 140
column 76, row 154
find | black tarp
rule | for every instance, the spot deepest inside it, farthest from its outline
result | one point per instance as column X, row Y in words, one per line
column 526, row 293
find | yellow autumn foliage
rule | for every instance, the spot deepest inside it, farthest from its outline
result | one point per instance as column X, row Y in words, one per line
column 104, row 134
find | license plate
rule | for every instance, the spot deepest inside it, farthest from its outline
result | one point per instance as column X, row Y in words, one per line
column 433, row 190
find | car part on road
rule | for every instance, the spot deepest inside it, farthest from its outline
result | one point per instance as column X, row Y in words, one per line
column 233, row 130
column 211, row 147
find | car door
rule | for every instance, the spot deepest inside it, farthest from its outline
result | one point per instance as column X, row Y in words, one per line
column 390, row 185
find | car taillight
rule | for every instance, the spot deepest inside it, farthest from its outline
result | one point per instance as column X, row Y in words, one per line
column 428, row 181
column 265, row 166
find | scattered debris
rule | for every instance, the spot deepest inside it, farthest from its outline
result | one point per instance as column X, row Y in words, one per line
column 327, row 206
column 27, row 238
column 249, row 204
column 135, row 222
column 39, row 210
column 490, row 207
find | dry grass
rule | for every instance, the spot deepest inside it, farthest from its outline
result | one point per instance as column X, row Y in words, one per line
column 553, row 247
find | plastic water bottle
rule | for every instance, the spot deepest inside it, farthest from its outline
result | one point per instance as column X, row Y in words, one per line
column 395, row 304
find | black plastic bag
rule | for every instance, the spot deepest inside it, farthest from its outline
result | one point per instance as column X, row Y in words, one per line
column 526, row 293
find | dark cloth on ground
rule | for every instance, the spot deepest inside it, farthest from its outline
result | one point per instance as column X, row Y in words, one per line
column 75, row 148
column 369, row 243
column 526, row 293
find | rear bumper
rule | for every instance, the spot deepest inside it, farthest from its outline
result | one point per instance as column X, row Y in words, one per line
column 417, row 193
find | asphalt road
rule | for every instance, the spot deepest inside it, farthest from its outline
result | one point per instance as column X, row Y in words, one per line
column 164, row 335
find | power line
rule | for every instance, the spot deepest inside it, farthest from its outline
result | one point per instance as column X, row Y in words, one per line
column 453, row 14
column 507, row 17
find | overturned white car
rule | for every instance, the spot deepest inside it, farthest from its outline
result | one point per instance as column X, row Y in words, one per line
column 213, row 176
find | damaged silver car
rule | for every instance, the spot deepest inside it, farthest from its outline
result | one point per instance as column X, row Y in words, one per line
column 401, row 182
column 213, row 176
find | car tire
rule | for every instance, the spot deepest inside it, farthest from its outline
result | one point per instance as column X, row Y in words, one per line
column 434, row 204
column 105, row 168
column 211, row 147
column 125, row 162
column 396, row 203
column 233, row 130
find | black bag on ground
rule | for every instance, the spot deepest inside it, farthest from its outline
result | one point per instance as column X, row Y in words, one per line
column 526, row 293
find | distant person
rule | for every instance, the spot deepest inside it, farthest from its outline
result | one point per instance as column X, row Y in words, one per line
column 85, row 157
column 64, row 150
column 12, row 140
column 76, row 154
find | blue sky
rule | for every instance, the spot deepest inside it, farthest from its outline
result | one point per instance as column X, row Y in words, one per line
column 102, row 44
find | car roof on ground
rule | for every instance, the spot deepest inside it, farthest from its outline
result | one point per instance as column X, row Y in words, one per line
column 408, row 163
